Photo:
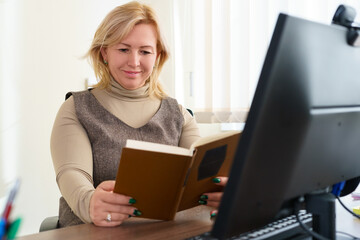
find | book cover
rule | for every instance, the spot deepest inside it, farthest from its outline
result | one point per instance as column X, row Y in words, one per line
column 166, row 179
column 212, row 157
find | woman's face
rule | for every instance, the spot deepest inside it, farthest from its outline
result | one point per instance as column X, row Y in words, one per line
column 132, row 60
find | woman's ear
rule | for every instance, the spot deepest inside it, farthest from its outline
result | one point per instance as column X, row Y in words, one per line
column 157, row 59
column 103, row 52
column 157, row 55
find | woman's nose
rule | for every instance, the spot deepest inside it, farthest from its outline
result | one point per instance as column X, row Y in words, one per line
column 134, row 60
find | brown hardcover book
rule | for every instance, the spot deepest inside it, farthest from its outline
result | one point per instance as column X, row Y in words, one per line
column 166, row 179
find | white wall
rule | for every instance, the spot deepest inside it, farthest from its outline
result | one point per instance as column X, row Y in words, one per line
column 41, row 47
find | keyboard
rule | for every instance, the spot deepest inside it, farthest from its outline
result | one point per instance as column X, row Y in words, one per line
column 285, row 228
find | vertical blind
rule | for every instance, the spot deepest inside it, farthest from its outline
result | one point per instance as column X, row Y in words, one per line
column 220, row 46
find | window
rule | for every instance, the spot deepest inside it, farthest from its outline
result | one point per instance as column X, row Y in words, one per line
column 220, row 46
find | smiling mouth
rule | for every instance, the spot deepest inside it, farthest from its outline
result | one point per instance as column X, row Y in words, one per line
column 131, row 72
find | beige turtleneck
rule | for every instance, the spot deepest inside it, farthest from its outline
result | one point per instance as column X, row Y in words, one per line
column 71, row 149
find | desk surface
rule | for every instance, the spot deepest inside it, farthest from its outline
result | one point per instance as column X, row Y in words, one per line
column 187, row 224
column 345, row 222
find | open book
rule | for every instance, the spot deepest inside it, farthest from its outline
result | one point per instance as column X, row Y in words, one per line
column 166, row 179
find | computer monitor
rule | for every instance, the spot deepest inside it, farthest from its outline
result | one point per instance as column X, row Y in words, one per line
column 302, row 133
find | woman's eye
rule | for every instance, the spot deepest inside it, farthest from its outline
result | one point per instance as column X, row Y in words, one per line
column 124, row 50
column 143, row 52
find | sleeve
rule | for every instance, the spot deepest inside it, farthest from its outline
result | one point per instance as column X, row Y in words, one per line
column 190, row 132
column 72, row 158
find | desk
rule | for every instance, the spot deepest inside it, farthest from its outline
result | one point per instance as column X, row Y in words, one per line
column 344, row 221
column 187, row 224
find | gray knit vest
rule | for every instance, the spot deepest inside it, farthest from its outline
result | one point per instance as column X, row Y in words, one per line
column 108, row 135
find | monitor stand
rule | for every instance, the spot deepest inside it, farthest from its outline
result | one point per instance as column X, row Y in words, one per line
column 322, row 207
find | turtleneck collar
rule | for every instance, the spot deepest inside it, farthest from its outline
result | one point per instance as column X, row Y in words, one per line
column 117, row 91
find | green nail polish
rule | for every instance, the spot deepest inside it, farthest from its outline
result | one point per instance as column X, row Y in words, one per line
column 202, row 202
column 132, row 201
column 216, row 180
column 137, row 212
column 204, row 197
column 213, row 214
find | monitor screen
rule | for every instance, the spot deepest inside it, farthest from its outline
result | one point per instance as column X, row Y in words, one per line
column 302, row 133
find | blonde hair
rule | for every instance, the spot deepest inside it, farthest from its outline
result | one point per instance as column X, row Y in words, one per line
column 115, row 27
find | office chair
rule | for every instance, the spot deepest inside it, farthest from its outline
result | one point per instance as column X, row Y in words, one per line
column 69, row 95
column 49, row 223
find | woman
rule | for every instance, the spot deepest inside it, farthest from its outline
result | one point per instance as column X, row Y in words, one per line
column 91, row 127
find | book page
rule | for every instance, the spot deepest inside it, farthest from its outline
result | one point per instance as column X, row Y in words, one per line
column 212, row 138
column 157, row 147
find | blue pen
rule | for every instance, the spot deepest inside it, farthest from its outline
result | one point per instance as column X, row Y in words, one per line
column 2, row 227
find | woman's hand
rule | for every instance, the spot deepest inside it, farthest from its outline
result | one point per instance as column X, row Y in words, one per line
column 213, row 199
column 108, row 209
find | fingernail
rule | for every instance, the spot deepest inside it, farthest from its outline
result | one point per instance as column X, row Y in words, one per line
column 212, row 215
column 216, row 180
column 132, row 201
column 202, row 202
column 204, row 197
column 137, row 212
